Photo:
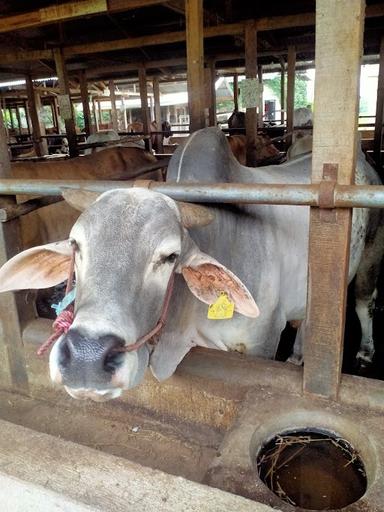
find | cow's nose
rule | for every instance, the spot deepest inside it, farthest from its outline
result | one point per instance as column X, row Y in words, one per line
column 85, row 360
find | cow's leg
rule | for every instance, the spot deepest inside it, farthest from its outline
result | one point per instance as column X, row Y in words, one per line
column 365, row 285
column 297, row 355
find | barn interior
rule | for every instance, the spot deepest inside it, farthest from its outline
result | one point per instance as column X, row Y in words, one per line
column 209, row 421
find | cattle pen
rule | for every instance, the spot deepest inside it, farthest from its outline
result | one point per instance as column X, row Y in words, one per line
column 196, row 440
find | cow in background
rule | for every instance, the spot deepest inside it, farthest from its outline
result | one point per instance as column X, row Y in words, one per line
column 266, row 152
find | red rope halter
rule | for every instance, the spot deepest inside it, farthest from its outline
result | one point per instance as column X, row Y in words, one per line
column 65, row 319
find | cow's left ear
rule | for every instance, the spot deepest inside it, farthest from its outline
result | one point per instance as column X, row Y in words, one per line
column 207, row 279
column 39, row 267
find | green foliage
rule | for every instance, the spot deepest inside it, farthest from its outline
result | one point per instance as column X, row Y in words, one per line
column 301, row 96
column 224, row 106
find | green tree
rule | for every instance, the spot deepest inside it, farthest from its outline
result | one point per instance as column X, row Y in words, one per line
column 301, row 94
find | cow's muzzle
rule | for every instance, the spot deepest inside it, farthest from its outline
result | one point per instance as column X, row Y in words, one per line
column 87, row 362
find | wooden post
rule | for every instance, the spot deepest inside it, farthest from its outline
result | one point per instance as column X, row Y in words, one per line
column 124, row 107
column 261, row 101
column 282, row 92
column 26, row 118
column 195, row 63
column 290, row 92
column 236, row 92
column 144, row 105
column 212, row 92
column 40, row 145
column 112, row 96
column 13, row 371
column 156, row 97
column 379, row 111
column 251, row 73
column 65, row 104
column 85, row 101
column 339, row 36
column 56, row 114
column 99, row 114
column 18, row 118
column 94, row 110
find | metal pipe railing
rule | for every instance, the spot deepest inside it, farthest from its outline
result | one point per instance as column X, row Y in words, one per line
column 345, row 196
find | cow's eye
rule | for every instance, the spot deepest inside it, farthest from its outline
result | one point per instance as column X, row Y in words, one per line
column 171, row 258
column 74, row 245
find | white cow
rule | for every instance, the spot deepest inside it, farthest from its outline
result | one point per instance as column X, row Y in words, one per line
column 248, row 262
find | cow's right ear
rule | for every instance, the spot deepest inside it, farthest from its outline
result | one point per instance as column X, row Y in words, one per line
column 40, row 267
column 79, row 199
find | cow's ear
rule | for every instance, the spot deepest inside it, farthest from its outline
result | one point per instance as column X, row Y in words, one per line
column 79, row 199
column 40, row 267
column 208, row 279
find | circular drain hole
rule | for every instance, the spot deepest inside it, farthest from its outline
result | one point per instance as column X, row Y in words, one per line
column 312, row 469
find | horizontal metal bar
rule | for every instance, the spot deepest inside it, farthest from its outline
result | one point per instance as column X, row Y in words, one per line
column 346, row 196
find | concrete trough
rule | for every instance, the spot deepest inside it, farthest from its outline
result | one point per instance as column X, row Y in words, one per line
column 204, row 426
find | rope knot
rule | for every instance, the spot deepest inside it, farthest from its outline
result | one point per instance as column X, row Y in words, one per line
column 60, row 326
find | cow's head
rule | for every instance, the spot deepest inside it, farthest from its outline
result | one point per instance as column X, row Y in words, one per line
column 127, row 243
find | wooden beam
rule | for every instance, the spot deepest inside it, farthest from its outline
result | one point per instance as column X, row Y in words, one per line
column 112, row 95
column 195, row 63
column 290, row 92
column 339, row 38
column 378, row 137
column 85, row 102
column 262, row 24
column 66, row 110
column 38, row 129
column 144, row 105
column 251, row 73
column 69, row 11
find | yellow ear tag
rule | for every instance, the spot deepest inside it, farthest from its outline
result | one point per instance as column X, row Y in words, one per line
column 221, row 309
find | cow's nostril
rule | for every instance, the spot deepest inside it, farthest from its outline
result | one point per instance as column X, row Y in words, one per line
column 113, row 360
column 64, row 354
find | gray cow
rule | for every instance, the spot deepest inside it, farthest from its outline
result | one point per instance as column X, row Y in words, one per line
column 128, row 244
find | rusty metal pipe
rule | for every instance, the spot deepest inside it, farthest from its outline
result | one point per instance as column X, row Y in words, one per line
column 345, row 196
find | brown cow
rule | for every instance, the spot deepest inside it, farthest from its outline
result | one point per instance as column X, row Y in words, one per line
column 265, row 150
column 54, row 222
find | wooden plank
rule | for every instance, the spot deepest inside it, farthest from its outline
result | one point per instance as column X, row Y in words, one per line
column 339, row 37
column 290, row 92
column 156, row 97
column 378, row 137
column 229, row 29
column 112, row 95
column 195, row 63
column 38, row 129
column 69, row 11
column 65, row 91
column 251, row 72
column 144, row 105
column 13, row 371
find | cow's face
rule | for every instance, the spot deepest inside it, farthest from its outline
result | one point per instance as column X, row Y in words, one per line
column 127, row 244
